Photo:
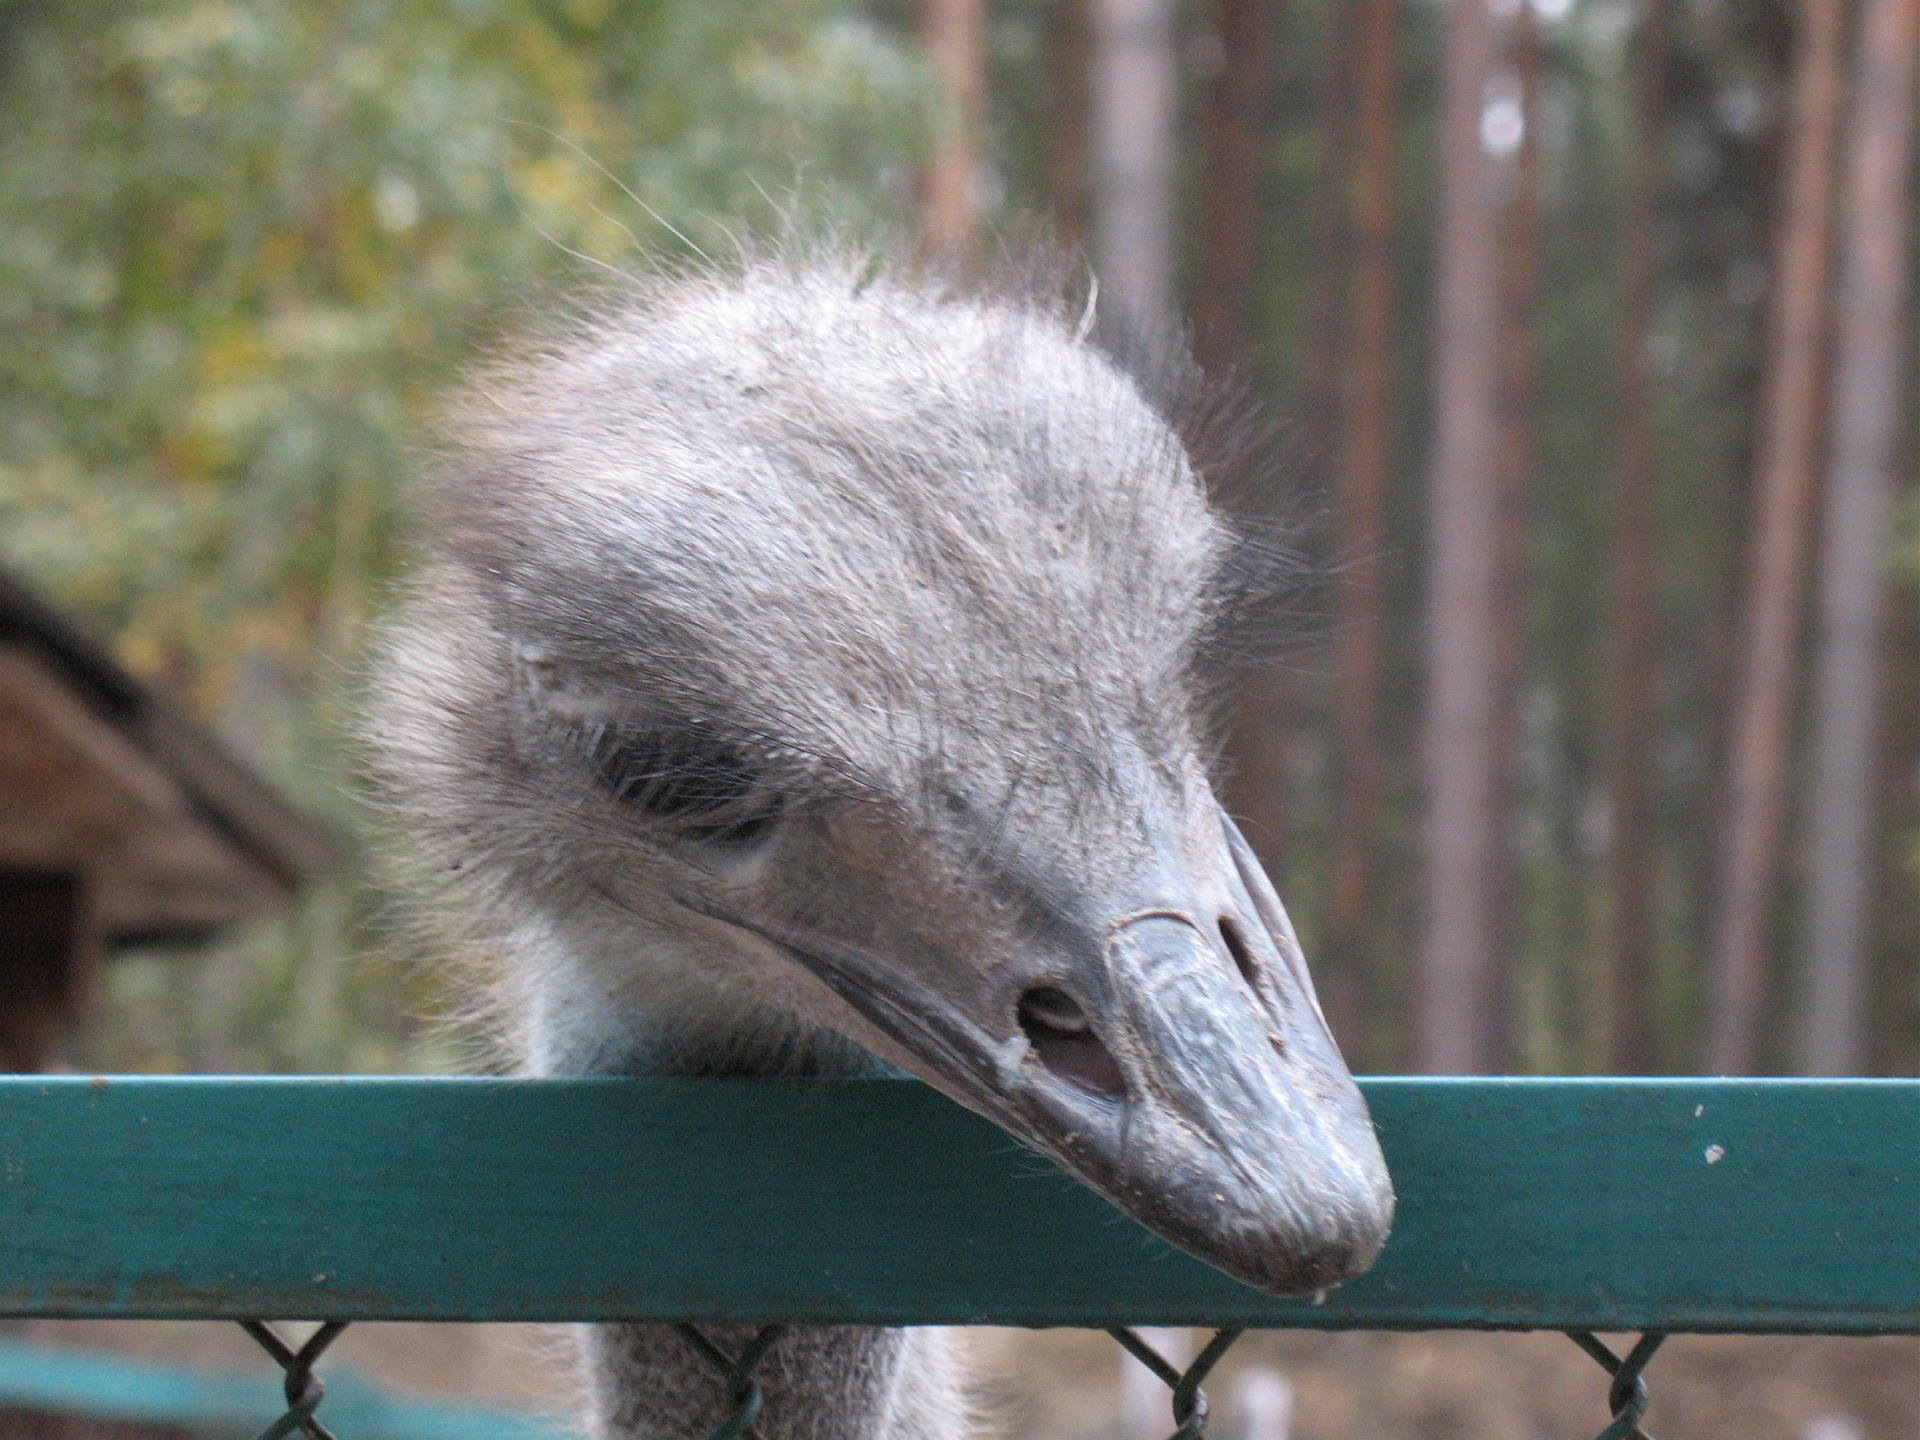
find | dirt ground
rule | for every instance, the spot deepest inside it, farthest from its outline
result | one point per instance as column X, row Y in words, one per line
column 1066, row 1384
column 1061, row 1385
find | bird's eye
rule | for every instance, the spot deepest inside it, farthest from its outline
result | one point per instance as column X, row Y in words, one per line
column 713, row 792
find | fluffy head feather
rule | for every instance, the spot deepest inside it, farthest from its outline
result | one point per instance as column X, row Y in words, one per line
column 806, row 531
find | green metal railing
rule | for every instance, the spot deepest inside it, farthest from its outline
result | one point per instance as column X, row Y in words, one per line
column 1585, row 1206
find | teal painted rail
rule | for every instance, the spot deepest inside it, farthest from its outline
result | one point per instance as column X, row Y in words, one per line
column 238, row 1402
column 1782, row 1206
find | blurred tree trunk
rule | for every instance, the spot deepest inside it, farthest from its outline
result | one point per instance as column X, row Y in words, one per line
column 1134, row 99
column 1365, row 458
column 1457, row 985
column 1069, row 52
column 1327, row 286
column 1631, row 679
column 1893, row 1009
column 955, row 35
column 1765, row 663
column 1868, row 378
column 1236, row 127
column 1237, row 121
column 1519, row 400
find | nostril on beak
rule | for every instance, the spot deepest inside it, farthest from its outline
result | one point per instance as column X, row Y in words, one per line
column 1064, row 1040
column 1243, row 960
column 1249, row 968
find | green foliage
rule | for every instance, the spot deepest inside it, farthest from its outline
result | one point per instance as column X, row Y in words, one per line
column 244, row 245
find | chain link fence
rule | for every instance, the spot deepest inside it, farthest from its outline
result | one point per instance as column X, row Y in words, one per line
column 1626, row 1395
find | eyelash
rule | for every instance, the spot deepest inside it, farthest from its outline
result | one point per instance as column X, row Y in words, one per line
column 686, row 776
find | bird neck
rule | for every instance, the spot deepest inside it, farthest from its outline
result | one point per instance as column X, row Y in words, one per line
column 645, row 1382
column 590, row 1008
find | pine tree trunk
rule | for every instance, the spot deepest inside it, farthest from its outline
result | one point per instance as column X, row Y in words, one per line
column 1237, row 122
column 1069, row 160
column 1134, row 99
column 1760, row 703
column 1869, row 393
column 1237, row 114
column 955, row 35
column 1456, row 991
column 1631, row 678
column 1328, row 285
column 1365, row 459
column 1519, row 397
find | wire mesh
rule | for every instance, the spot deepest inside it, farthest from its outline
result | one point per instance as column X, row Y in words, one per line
column 304, row 1389
column 1189, row 1400
column 1627, row 1395
column 1626, row 1392
column 743, row 1392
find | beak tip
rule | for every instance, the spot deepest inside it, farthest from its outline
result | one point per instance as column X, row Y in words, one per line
column 1335, row 1244
column 1299, row 1263
column 1300, row 1230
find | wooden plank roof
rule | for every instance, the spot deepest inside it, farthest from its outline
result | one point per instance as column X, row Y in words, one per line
column 102, row 775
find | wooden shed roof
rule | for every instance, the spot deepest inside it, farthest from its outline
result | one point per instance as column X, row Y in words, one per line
column 103, row 776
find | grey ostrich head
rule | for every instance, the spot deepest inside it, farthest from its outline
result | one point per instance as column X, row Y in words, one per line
column 810, row 656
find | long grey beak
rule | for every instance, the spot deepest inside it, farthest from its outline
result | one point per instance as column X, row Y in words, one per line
column 1170, row 1052
column 1223, row 1118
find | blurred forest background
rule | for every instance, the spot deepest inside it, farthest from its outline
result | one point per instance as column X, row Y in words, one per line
column 1587, row 322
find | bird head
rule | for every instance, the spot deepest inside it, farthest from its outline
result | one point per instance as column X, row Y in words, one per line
column 806, row 653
